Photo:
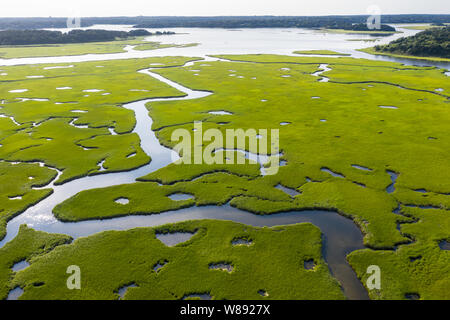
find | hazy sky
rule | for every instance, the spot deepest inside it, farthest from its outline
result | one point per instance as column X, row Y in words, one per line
column 63, row 8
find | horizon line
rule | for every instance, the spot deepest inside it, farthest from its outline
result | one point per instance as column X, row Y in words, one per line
column 218, row 16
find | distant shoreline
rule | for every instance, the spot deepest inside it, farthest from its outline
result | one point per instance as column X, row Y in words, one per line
column 226, row 22
column 374, row 52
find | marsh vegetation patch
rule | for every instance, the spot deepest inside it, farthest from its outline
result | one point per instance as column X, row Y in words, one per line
column 258, row 195
column 146, row 258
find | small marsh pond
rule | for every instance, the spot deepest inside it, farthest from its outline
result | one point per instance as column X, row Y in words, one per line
column 15, row 294
column 20, row 266
column 172, row 239
column 181, row 196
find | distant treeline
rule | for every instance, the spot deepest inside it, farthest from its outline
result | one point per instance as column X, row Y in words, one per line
column 330, row 22
column 433, row 42
column 224, row 22
column 25, row 37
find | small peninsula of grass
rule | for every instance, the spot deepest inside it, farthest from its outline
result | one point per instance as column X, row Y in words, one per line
column 421, row 27
column 370, row 32
column 153, row 46
column 321, row 52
